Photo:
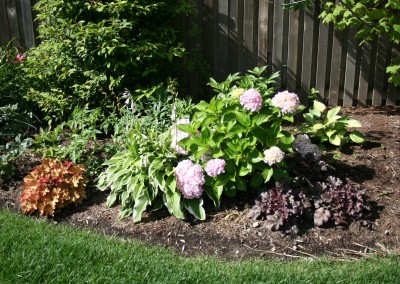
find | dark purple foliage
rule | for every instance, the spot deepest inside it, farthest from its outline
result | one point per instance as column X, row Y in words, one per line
column 339, row 202
column 277, row 206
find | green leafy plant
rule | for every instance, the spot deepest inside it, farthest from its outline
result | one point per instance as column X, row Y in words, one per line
column 91, row 51
column 372, row 18
column 328, row 126
column 52, row 186
column 13, row 81
column 142, row 175
column 10, row 152
column 250, row 140
column 75, row 140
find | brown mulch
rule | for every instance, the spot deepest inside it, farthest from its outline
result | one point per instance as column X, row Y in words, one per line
column 229, row 234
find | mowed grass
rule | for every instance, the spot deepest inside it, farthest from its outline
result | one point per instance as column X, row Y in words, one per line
column 33, row 251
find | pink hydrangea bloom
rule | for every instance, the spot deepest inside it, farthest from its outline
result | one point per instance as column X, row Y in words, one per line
column 287, row 102
column 178, row 135
column 190, row 179
column 273, row 155
column 251, row 100
column 215, row 167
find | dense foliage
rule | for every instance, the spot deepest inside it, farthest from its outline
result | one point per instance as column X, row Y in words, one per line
column 372, row 18
column 91, row 51
column 327, row 125
column 51, row 186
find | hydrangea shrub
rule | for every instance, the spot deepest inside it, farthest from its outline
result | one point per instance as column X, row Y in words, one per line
column 243, row 127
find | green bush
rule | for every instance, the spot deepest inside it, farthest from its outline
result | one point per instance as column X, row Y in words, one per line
column 91, row 51
column 228, row 137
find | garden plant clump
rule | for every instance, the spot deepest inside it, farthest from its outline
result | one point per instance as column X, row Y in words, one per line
column 52, row 186
column 235, row 142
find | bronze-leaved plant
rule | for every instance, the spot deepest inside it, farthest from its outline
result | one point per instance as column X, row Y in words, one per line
column 51, row 186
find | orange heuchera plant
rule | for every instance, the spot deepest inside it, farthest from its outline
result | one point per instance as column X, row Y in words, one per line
column 52, row 186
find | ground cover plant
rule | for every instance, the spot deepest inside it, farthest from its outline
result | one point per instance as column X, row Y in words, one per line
column 46, row 253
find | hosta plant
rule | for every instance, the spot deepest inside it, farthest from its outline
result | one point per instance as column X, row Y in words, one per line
column 328, row 126
column 51, row 186
column 144, row 174
column 242, row 125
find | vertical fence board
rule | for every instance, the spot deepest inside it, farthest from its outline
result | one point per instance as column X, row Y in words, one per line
column 208, row 33
column 233, row 45
column 26, row 24
column 277, row 39
column 248, row 41
column 285, row 47
column 335, row 68
column 392, row 93
column 13, row 21
column 307, row 55
column 4, row 27
column 377, row 94
column 293, row 42
column 322, row 58
column 263, row 38
column 220, row 58
column 350, row 69
column 364, row 75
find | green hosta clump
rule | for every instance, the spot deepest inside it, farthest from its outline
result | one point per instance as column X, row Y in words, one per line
column 147, row 174
column 328, row 126
column 242, row 125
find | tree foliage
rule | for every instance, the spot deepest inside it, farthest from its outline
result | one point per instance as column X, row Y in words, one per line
column 372, row 18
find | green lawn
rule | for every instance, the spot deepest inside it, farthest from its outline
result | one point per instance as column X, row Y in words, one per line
column 32, row 251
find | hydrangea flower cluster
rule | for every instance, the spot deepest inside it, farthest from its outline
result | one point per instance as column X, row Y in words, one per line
column 251, row 100
column 287, row 102
column 178, row 135
column 273, row 155
column 236, row 93
column 302, row 144
column 190, row 179
column 215, row 167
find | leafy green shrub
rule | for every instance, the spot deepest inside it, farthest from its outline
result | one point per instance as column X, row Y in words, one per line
column 10, row 152
column 92, row 50
column 372, row 18
column 52, row 186
column 328, row 126
column 228, row 138
column 244, row 131
column 12, row 79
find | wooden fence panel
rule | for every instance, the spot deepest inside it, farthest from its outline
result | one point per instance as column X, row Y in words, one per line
column 294, row 58
column 237, row 35
column 350, row 74
column 263, row 37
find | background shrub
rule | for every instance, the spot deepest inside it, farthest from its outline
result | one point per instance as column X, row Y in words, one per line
column 92, row 51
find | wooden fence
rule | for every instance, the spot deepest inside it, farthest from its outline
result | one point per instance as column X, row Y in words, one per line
column 16, row 22
column 237, row 35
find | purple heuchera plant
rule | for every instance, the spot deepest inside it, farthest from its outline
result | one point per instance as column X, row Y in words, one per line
column 277, row 207
column 339, row 202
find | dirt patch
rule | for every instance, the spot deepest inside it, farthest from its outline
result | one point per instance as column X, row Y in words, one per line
column 229, row 234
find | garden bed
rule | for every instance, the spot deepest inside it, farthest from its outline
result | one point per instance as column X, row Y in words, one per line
column 228, row 233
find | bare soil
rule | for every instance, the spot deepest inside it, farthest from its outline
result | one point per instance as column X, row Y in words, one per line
column 229, row 234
